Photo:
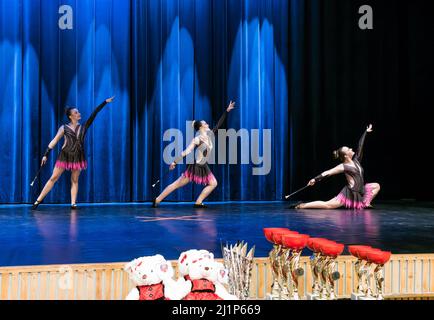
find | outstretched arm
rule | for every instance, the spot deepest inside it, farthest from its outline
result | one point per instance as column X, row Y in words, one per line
column 359, row 153
column 223, row 117
column 92, row 117
column 188, row 150
column 52, row 144
column 336, row 170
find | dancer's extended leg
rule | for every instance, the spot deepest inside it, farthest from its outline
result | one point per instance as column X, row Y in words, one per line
column 57, row 172
column 206, row 191
column 182, row 181
column 331, row 204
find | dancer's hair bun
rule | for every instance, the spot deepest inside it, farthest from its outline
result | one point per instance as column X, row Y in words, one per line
column 68, row 111
column 196, row 124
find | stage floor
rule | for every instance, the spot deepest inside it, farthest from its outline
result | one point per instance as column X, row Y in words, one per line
column 54, row 234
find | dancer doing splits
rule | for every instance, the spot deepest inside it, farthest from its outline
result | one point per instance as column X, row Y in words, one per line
column 199, row 172
column 355, row 194
column 72, row 156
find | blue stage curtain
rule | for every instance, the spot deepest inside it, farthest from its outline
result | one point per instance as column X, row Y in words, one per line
column 166, row 62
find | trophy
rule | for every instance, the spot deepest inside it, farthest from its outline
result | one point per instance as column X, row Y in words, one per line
column 380, row 258
column 274, row 262
column 331, row 250
column 282, row 257
column 323, row 264
column 360, row 269
column 317, row 261
column 369, row 256
column 295, row 243
column 239, row 263
column 279, row 269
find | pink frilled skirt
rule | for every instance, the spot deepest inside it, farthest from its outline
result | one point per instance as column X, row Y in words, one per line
column 199, row 173
column 82, row 165
column 353, row 200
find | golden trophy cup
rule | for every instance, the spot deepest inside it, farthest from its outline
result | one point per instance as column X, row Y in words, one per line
column 331, row 250
column 283, row 255
column 360, row 268
column 317, row 261
column 296, row 243
column 379, row 258
column 274, row 257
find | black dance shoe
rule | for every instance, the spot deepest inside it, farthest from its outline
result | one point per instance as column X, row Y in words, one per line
column 36, row 204
column 74, row 206
column 154, row 203
column 200, row 205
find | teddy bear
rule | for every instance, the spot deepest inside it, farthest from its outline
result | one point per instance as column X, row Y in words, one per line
column 153, row 277
column 187, row 257
column 204, row 275
column 190, row 257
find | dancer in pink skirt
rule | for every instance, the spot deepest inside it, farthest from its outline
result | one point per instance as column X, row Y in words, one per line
column 356, row 194
column 72, row 156
column 199, row 172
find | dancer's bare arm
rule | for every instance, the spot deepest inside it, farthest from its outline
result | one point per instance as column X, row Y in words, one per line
column 195, row 142
column 53, row 143
column 336, row 170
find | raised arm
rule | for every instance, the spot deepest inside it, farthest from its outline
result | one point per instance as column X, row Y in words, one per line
column 92, row 117
column 223, row 117
column 359, row 153
column 336, row 170
column 52, row 144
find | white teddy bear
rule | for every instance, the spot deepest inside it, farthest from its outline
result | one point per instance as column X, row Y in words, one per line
column 219, row 277
column 187, row 257
column 205, row 285
column 153, row 277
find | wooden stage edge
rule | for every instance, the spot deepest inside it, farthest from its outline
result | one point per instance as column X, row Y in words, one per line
column 407, row 276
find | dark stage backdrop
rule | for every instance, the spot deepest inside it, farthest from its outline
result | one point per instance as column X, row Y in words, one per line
column 302, row 68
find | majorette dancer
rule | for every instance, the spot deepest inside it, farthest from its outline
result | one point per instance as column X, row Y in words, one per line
column 198, row 172
column 72, row 156
column 356, row 194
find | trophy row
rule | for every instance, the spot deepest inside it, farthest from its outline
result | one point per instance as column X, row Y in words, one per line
column 286, row 271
